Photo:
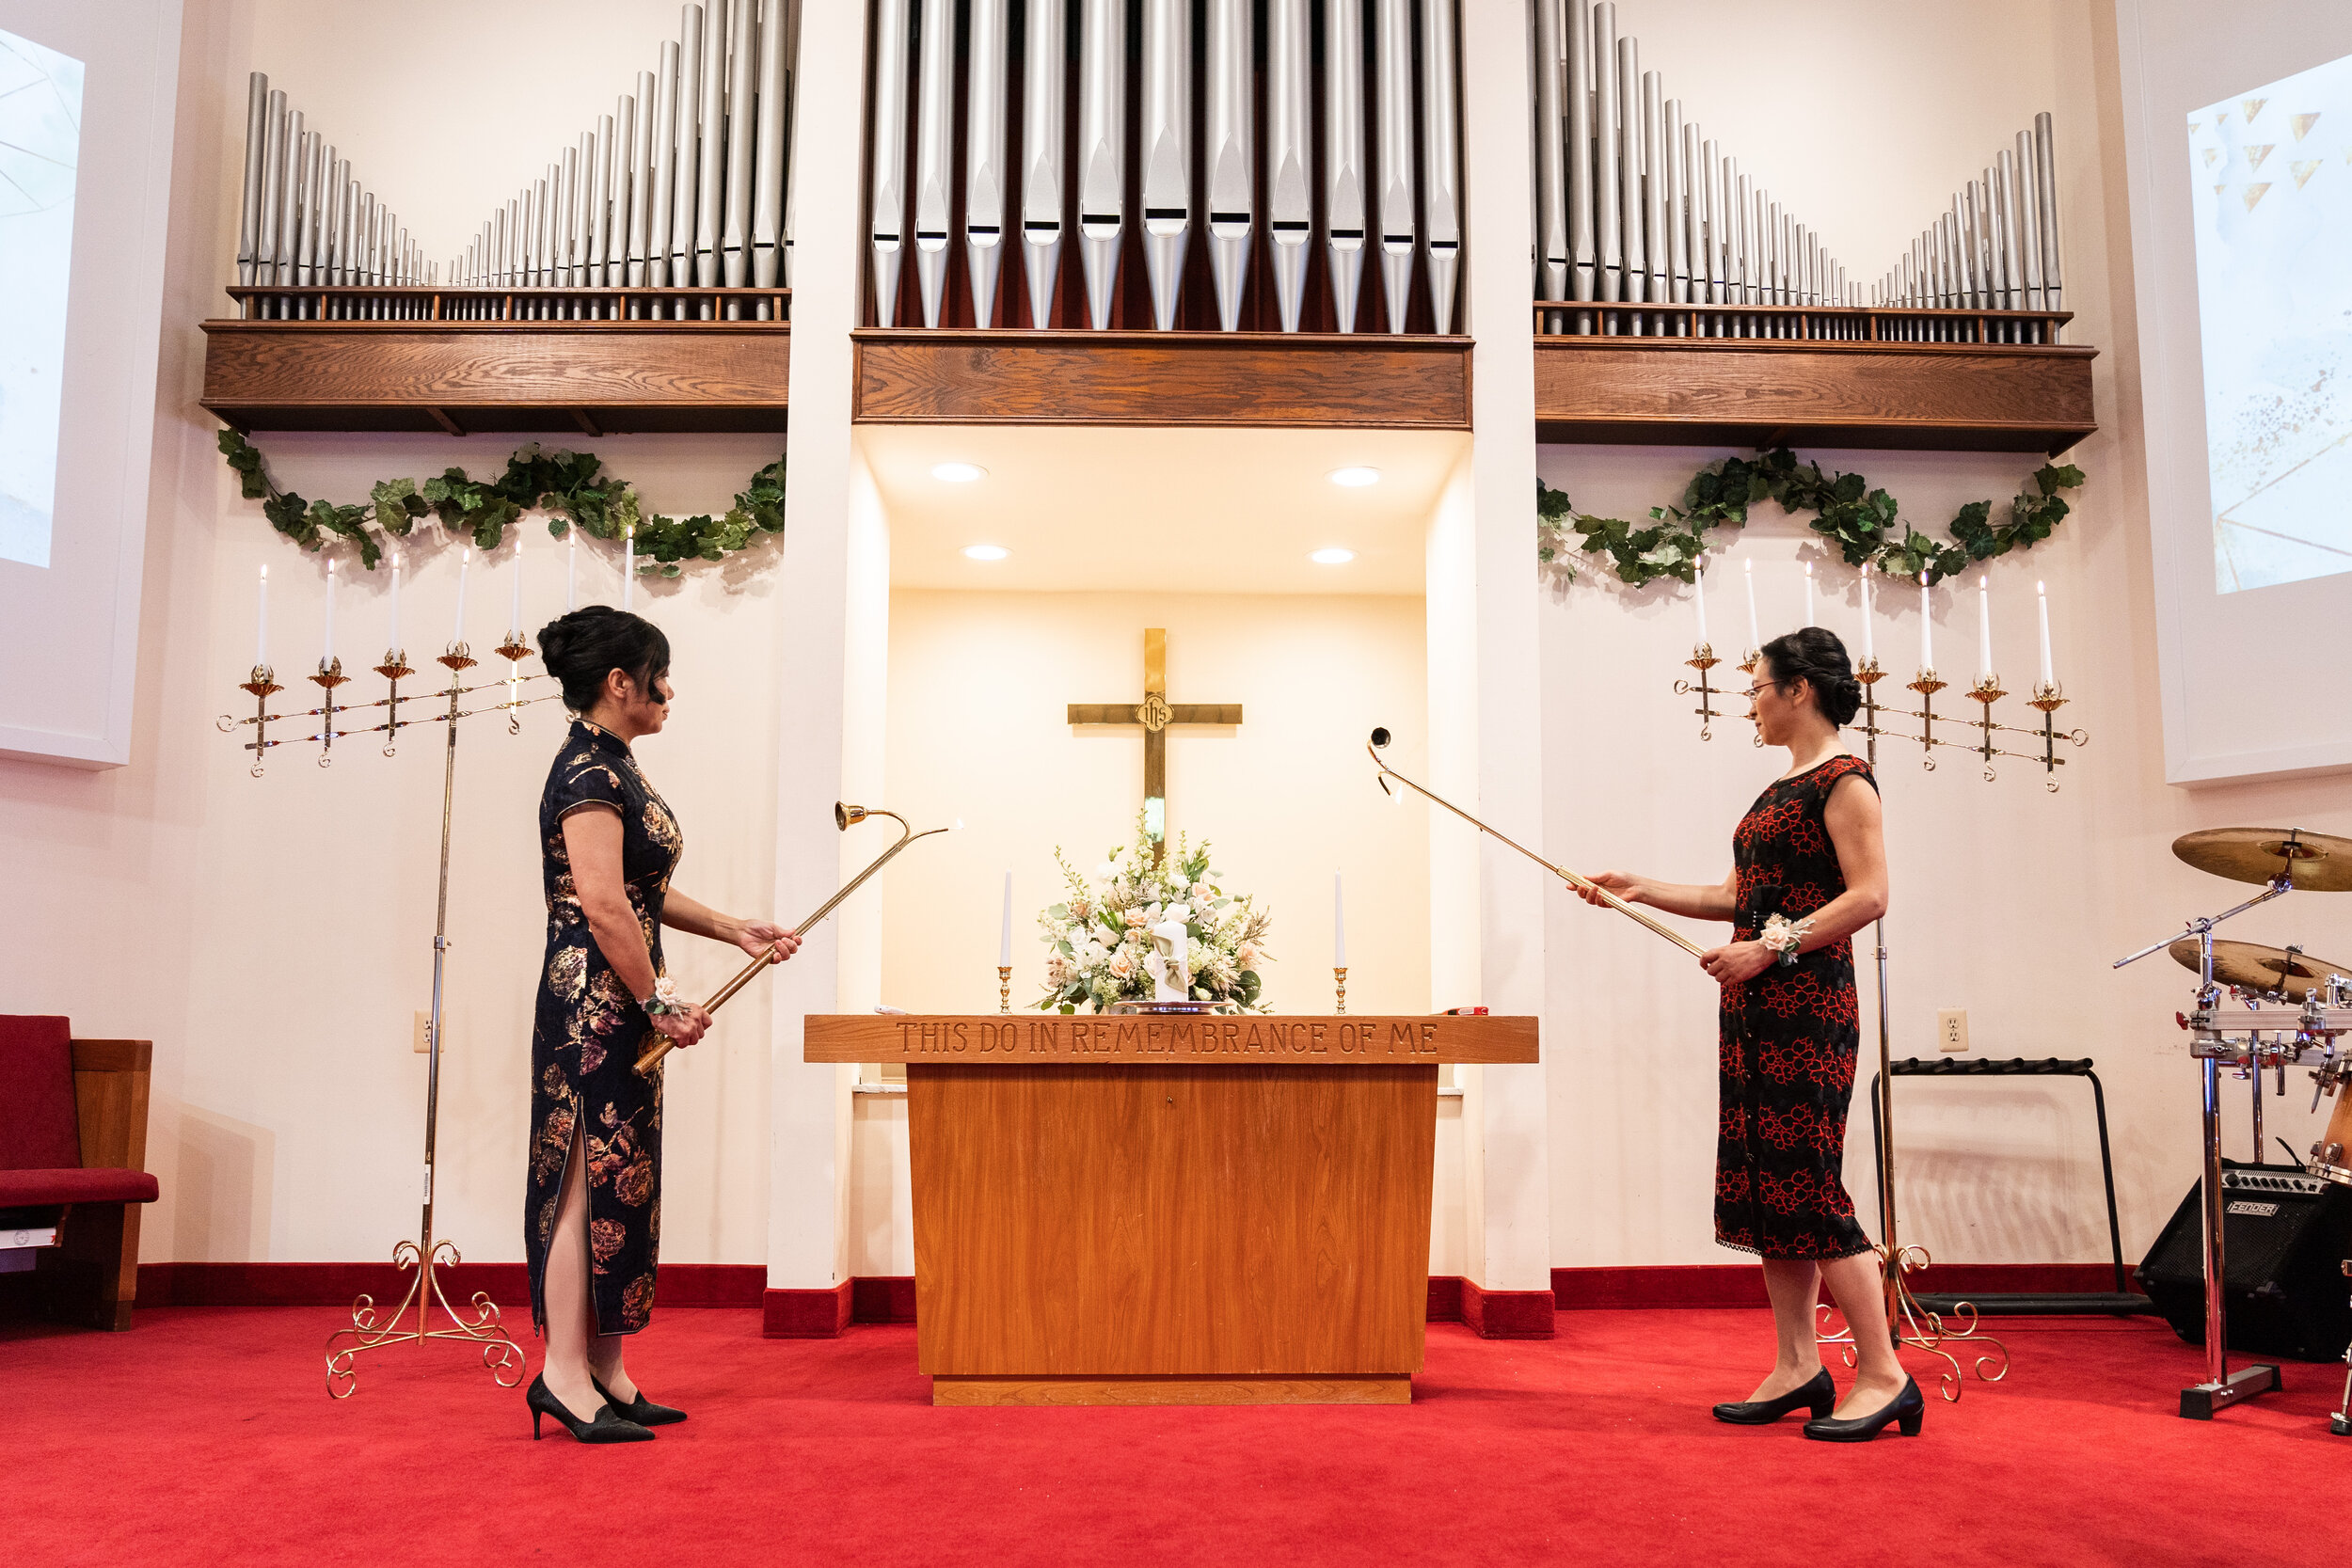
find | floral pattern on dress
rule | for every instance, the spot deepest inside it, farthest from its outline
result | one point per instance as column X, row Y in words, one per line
column 586, row 1091
column 1789, row 1039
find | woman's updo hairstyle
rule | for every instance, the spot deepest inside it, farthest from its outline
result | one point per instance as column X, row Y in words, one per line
column 581, row 648
column 1816, row 655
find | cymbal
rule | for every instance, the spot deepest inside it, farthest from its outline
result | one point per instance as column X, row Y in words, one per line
column 2251, row 967
column 2318, row 863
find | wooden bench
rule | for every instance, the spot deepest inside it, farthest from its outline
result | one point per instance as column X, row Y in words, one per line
column 82, row 1101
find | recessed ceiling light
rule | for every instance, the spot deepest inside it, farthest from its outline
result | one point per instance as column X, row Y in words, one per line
column 1333, row 557
column 1355, row 479
column 986, row 552
column 958, row 473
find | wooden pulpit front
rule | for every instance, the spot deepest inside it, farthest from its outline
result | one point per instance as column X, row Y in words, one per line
column 1171, row 1210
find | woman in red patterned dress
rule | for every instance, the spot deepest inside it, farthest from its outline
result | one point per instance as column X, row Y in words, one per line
column 1808, row 870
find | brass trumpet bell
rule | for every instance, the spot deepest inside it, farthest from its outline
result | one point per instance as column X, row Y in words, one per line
column 846, row 815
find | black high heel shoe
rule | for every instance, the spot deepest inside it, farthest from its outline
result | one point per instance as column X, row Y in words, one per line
column 1906, row 1409
column 1819, row 1394
column 641, row 1409
column 606, row 1428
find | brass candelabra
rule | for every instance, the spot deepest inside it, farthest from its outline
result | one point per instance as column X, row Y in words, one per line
column 1004, row 988
column 1339, row 981
column 371, row 1329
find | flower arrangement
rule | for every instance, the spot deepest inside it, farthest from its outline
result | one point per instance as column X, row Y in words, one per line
column 1099, row 939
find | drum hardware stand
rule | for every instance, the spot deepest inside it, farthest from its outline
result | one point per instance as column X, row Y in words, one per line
column 1909, row 1322
column 500, row 1356
column 2223, row 1387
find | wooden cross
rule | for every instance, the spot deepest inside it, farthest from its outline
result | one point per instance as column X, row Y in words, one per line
column 1156, row 713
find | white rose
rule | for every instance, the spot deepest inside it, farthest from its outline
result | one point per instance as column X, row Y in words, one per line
column 1105, row 871
column 1121, row 965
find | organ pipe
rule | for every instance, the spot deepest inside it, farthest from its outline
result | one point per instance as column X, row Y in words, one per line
column 734, row 237
column 1579, row 157
column 934, row 135
column 1165, row 152
column 687, row 135
column 1554, row 84
column 1046, row 54
column 1442, row 197
column 1344, row 153
column 1290, row 151
column 1102, row 148
column 886, row 229
column 984, row 153
column 1393, row 52
column 1227, row 155
column 767, row 170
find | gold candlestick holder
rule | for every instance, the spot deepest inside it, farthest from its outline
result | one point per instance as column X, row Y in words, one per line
column 393, row 669
column 1339, row 981
column 1702, row 660
column 1749, row 660
column 1004, row 987
column 1987, row 691
column 262, row 683
column 331, row 676
column 1927, row 684
column 511, row 650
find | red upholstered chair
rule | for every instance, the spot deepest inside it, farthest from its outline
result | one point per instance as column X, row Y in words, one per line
column 73, row 1142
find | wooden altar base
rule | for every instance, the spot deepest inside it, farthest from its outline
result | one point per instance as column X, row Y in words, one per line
column 1171, row 1391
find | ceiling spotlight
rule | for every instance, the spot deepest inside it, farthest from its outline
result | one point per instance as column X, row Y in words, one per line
column 1333, row 557
column 1355, row 479
column 958, row 473
column 986, row 552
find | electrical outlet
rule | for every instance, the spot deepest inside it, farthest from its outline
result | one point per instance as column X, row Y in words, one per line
column 422, row 1035
column 1952, row 1029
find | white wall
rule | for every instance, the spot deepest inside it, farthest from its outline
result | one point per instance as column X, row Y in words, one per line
column 2007, row 900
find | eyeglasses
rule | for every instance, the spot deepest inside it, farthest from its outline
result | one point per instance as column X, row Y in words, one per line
column 1762, row 686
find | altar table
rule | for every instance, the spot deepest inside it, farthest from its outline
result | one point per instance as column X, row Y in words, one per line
column 1171, row 1210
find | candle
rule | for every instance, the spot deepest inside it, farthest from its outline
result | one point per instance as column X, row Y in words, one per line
column 465, row 561
column 1755, row 639
column 629, row 566
column 394, row 644
column 1867, row 657
column 2042, row 598
column 515, row 614
column 261, row 635
column 1701, row 580
column 1809, row 592
column 571, row 568
column 1927, row 627
column 1339, row 923
column 1004, row 942
column 1985, row 629
column 328, row 657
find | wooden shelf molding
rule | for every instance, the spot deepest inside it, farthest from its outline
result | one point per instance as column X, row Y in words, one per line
column 1266, row 379
column 459, row 376
column 1853, row 390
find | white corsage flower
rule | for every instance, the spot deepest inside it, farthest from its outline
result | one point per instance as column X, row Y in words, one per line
column 1783, row 936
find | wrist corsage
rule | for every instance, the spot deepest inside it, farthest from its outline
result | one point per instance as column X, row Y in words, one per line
column 1783, row 937
column 664, row 999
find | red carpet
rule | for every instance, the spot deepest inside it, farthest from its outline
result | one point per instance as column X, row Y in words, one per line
column 203, row 1437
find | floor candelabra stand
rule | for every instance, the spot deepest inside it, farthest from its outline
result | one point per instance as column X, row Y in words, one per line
column 372, row 1328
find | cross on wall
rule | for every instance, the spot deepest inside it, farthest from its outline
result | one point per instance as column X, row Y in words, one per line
column 1155, row 715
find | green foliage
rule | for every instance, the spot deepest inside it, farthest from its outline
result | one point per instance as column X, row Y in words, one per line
column 1862, row 524
column 571, row 487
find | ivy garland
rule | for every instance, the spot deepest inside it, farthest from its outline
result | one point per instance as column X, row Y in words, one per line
column 1861, row 522
column 570, row 486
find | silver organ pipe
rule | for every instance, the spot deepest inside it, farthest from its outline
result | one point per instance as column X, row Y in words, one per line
column 1656, row 249
column 313, row 196
column 1344, row 206
column 1441, row 120
column 567, row 208
column 985, row 153
column 1636, row 263
column 662, row 134
column 1228, row 155
column 1677, row 159
column 886, row 230
column 257, row 136
column 1290, row 154
column 687, row 133
column 1045, row 56
column 283, row 161
column 1580, row 153
column 629, row 216
column 934, row 144
column 2046, row 210
column 1166, row 153
column 1608, row 211
column 768, row 173
column 1392, row 54
column 1102, row 150
column 1710, row 167
column 2029, row 216
column 2005, row 228
column 735, row 230
column 711, row 166
column 1555, row 84
column 601, row 202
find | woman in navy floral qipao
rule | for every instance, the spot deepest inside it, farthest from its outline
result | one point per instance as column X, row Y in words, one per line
column 608, row 843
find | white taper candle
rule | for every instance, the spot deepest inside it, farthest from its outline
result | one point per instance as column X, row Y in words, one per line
column 328, row 656
column 394, row 643
column 2042, row 598
column 1984, row 628
column 1755, row 639
column 1700, row 578
column 571, row 568
column 1867, row 654
column 465, row 563
column 1809, row 592
column 1339, row 923
column 629, row 566
column 1004, row 942
column 1927, row 627
column 515, row 613
column 261, row 632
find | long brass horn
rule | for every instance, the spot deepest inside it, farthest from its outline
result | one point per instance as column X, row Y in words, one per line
column 845, row 817
column 1582, row 884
